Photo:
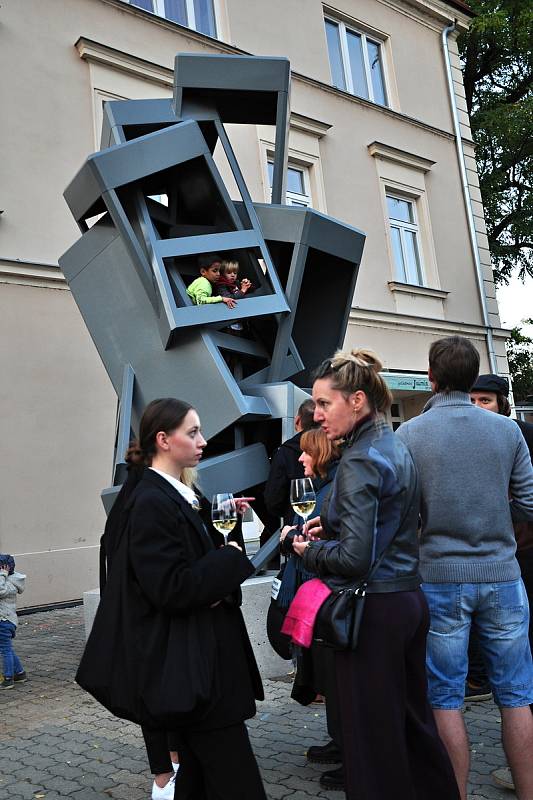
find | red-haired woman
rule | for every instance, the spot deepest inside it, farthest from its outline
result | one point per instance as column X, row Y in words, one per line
column 315, row 672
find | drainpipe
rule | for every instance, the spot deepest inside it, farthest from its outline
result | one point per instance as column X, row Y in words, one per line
column 468, row 200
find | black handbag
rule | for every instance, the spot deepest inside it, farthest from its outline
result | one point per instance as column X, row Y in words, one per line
column 163, row 679
column 339, row 618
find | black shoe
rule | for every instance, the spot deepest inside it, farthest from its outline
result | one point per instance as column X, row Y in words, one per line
column 474, row 693
column 20, row 677
column 334, row 779
column 325, row 754
column 7, row 683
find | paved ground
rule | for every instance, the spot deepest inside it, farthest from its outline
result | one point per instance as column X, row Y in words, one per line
column 56, row 742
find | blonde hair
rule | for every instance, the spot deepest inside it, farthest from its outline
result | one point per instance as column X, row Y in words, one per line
column 357, row 370
column 229, row 266
column 189, row 477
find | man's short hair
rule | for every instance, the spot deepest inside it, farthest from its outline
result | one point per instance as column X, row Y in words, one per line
column 306, row 412
column 454, row 364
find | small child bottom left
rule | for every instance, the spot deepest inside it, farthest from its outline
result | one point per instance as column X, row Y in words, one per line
column 12, row 668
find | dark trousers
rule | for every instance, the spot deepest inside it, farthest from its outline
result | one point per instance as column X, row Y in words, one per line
column 477, row 671
column 333, row 718
column 218, row 765
column 391, row 746
column 158, row 743
column 525, row 560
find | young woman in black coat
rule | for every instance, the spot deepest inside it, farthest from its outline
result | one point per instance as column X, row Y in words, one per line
column 178, row 577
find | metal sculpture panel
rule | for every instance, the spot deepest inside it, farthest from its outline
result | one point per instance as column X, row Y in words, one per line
column 161, row 202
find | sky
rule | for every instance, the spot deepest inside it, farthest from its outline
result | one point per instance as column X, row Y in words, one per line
column 516, row 303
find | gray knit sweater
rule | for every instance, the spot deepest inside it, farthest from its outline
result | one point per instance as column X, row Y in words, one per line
column 469, row 460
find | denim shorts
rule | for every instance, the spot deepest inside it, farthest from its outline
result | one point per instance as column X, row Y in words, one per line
column 499, row 612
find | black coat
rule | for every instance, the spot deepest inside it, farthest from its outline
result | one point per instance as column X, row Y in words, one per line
column 527, row 432
column 174, row 575
column 283, row 468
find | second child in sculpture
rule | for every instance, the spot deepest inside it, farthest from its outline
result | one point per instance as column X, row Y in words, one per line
column 228, row 283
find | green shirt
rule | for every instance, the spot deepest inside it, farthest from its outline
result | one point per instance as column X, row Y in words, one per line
column 201, row 292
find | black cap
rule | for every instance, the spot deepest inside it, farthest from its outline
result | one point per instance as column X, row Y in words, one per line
column 491, row 383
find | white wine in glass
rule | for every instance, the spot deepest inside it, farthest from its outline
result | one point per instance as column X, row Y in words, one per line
column 224, row 513
column 303, row 498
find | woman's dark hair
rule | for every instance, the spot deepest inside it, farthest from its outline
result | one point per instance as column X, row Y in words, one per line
column 454, row 364
column 354, row 371
column 165, row 414
column 504, row 406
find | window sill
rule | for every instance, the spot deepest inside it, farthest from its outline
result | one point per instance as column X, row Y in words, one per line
column 411, row 288
column 151, row 16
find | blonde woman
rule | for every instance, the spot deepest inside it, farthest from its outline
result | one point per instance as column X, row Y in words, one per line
column 390, row 743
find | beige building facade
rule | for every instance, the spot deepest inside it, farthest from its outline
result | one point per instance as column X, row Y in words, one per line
column 372, row 143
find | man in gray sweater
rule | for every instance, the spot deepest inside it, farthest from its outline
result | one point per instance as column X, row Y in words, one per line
column 476, row 478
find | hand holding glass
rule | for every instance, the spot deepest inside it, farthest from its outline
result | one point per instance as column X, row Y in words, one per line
column 303, row 498
column 224, row 514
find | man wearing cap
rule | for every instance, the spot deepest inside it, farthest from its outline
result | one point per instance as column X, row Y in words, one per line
column 476, row 477
column 491, row 392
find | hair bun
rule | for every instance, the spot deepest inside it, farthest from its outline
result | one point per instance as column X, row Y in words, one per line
column 367, row 358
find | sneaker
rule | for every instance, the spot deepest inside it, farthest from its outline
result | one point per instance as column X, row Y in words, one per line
column 7, row 683
column 474, row 693
column 20, row 677
column 165, row 793
column 503, row 777
column 325, row 754
column 334, row 779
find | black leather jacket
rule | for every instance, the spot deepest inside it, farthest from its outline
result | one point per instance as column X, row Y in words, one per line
column 373, row 505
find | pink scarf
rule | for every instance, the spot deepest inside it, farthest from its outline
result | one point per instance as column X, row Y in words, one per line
column 300, row 619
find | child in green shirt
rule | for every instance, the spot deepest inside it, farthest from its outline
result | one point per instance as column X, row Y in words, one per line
column 201, row 289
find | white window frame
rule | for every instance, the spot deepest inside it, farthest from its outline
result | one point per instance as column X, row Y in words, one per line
column 345, row 58
column 414, row 227
column 294, row 198
column 393, row 419
column 159, row 10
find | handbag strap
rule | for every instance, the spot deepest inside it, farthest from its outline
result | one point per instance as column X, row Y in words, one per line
column 375, row 566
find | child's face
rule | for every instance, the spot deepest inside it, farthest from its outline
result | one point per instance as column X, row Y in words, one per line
column 232, row 276
column 212, row 273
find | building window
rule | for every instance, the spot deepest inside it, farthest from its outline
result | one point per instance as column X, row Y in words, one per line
column 356, row 62
column 196, row 14
column 298, row 191
column 395, row 415
column 404, row 239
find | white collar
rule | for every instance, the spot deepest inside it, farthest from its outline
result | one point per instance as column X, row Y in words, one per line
column 185, row 491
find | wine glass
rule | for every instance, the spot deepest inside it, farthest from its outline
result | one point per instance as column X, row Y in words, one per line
column 224, row 513
column 303, row 498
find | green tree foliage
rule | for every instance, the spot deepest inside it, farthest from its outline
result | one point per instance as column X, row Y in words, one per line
column 520, row 357
column 497, row 56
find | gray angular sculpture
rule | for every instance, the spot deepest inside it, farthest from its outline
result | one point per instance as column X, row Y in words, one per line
column 161, row 201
